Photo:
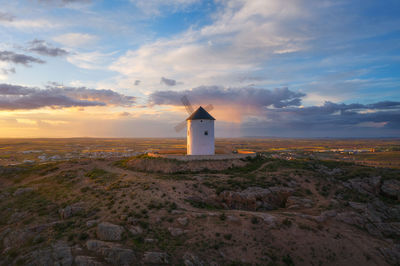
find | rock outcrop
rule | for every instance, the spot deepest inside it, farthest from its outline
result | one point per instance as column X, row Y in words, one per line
column 391, row 188
column 152, row 257
column 71, row 210
column 109, row 232
column 112, row 252
column 255, row 198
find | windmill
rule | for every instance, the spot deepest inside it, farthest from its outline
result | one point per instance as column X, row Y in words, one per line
column 200, row 129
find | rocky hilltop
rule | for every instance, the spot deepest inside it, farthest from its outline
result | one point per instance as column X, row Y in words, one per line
column 155, row 211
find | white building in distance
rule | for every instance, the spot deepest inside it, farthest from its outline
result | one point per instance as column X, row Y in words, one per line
column 200, row 133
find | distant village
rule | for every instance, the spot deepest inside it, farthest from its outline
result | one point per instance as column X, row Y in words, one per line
column 34, row 156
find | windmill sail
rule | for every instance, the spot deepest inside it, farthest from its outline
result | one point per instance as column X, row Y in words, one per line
column 187, row 104
column 189, row 108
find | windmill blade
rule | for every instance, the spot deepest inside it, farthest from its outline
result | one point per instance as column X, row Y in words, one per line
column 187, row 104
column 180, row 126
column 209, row 108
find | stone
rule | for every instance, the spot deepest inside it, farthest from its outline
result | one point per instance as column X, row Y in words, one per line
column 233, row 219
column 136, row 230
column 95, row 245
column 294, row 202
column 23, row 190
column 91, row 223
column 324, row 216
column 86, row 261
column 109, row 232
column 70, row 211
column 119, row 256
column 391, row 188
column 131, row 220
column 267, row 218
column 191, row 260
column 183, row 221
column 62, row 253
column 351, row 218
column 152, row 257
column 175, row 231
column 112, row 252
column 368, row 186
column 58, row 254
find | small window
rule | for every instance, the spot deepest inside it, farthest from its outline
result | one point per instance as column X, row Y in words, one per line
column 206, row 132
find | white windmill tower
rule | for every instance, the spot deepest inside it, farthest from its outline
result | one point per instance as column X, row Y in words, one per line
column 200, row 129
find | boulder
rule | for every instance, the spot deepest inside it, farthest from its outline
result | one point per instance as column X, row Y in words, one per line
column 368, row 186
column 71, row 210
column 191, row 260
column 375, row 217
column 175, row 231
column 183, row 221
column 351, row 218
column 391, row 188
column 96, row 245
column 152, row 257
column 109, row 232
column 62, row 253
column 119, row 256
column 294, row 202
column 86, row 261
column 91, row 223
column 113, row 253
column 233, row 219
column 267, row 218
column 58, row 253
column 136, row 230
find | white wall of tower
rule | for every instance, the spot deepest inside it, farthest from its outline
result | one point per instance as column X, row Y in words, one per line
column 200, row 137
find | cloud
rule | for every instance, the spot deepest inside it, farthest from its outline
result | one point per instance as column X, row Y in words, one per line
column 90, row 60
column 330, row 120
column 43, row 48
column 124, row 114
column 8, row 56
column 137, row 82
column 279, row 42
column 230, row 104
column 245, row 97
column 9, row 89
column 16, row 97
column 65, row 2
column 75, row 39
column 6, row 17
column 26, row 24
column 279, row 112
column 7, row 71
column 168, row 82
column 154, row 7
column 242, row 37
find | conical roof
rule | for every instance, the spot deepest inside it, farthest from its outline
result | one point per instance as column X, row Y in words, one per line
column 200, row 113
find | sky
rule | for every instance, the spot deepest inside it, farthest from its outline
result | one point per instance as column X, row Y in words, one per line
column 270, row 68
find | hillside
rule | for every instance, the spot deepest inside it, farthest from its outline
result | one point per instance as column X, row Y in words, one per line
column 260, row 211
